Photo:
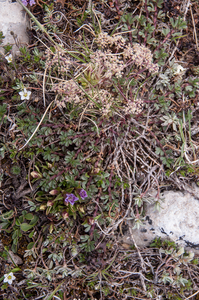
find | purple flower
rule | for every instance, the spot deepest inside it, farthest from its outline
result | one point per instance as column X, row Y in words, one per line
column 32, row 2
column 71, row 198
column 25, row 2
column 83, row 194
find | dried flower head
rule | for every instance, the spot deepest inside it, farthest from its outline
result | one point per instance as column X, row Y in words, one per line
column 70, row 91
column 65, row 215
column 104, row 40
column 107, row 64
column 141, row 56
column 59, row 59
column 134, row 107
column 104, row 98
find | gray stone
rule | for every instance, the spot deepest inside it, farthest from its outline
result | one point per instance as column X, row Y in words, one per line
column 14, row 258
column 177, row 220
column 13, row 24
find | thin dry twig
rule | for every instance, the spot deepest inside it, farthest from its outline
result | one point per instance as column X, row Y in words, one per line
column 194, row 27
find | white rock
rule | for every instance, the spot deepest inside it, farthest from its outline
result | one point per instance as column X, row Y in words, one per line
column 13, row 19
column 177, row 220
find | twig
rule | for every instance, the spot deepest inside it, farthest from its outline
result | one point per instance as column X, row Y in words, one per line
column 192, row 295
column 44, row 79
column 194, row 28
column 138, row 250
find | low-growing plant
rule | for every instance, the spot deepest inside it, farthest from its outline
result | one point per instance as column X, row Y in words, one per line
column 18, row 225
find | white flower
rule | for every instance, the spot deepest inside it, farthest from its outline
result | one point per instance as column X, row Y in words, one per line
column 179, row 69
column 9, row 278
column 9, row 58
column 25, row 94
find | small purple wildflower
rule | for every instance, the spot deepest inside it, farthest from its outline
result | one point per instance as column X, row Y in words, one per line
column 71, row 198
column 31, row 2
column 83, row 194
column 25, row 2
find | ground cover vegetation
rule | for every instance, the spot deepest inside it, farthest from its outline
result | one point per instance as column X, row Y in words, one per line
column 97, row 111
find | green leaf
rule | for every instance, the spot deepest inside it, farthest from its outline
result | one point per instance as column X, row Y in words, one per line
column 59, row 197
column 84, row 238
column 14, row 248
column 31, row 203
column 4, row 225
column 29, row 216
column 25, row 226
column 188, row 88
column 165, row 31
column 15, row 270
column 30, row 245
column 159, row 151
column 15, row 241
column 3, row 110
column 31, row 234
column 33, row 222
column 17, row 222
column 8, row 215
column 15, row 234
column 87, row 229
column 21, row 219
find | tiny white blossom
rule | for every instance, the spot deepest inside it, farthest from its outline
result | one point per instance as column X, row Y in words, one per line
column 9, row 58
column 25, row 94
column 9, row 278
column 179, row 70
